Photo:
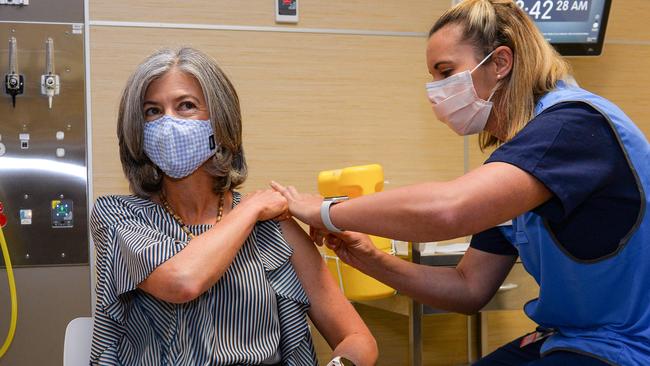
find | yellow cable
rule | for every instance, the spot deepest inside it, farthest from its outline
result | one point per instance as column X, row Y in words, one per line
column 12, row 292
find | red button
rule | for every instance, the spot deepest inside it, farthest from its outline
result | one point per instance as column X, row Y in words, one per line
column 3, row 220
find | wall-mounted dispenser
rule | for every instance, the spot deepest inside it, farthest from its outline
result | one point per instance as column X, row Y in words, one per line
column 14, row 82
column 50, row 82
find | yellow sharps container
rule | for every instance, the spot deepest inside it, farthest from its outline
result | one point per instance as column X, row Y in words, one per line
column 354, row 182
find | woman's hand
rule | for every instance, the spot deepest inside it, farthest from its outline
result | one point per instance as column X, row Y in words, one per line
column 305, row 207
column 351, row 247
column 268, row 204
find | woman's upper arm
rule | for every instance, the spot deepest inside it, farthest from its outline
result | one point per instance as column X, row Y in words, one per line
column 330, row 311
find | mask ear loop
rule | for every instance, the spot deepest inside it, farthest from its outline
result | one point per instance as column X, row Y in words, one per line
column 482, row 62
column 494, row 90
column 496, row 87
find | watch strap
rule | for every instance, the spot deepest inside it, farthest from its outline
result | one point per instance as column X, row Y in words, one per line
column 340, row 361
column 325, row 215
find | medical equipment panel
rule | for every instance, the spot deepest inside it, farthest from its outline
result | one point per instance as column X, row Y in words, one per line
column 43, row 176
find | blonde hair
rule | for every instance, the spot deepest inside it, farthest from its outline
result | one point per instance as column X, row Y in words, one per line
column 227, row 166
column 536, row 69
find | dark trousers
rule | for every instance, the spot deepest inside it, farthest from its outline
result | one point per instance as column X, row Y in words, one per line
column 512, row 355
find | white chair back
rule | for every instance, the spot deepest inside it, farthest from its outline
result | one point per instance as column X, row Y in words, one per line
column 76, row 346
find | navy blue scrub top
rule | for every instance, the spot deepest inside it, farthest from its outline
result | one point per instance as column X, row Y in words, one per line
column 572, row 150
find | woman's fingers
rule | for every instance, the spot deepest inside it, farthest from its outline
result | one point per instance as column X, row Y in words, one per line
column 280, row 188
column 321, row 237
column 277, row 186
column 318, row 239
column 332, row 240
column 292, row 190
column 305, row 207
column 288, row 192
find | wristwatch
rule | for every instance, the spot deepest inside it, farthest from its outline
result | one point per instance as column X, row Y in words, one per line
column 340, row 361
column 325, row 212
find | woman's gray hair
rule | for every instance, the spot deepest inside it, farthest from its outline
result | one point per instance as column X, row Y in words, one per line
column 227, row 166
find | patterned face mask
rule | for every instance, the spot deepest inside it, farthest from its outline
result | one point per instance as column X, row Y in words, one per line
column 178, row 146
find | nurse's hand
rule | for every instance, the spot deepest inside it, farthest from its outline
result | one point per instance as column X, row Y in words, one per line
column 351, row 247
column 305, row 207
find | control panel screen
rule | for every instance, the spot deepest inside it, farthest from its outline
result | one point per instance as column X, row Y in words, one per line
column 62, row 213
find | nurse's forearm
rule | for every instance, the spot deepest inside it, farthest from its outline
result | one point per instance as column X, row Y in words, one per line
column 478, row 200
column 443, row 288
column 422, row 212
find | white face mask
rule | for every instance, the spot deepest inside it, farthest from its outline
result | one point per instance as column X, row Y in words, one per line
column 455, row 102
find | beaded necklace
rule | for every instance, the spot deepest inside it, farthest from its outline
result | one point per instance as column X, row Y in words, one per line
column 178, row 219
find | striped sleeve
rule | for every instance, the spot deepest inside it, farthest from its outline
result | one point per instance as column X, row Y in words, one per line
column 296, row 345
column 129, row 246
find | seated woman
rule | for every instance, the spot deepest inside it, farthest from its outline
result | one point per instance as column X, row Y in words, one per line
column 189, row 272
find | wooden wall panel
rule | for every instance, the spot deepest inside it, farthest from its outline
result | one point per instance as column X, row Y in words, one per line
column 411, row 16
column 310, row 102
column 628, row 20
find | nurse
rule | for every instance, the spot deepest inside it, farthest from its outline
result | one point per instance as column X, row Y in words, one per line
column 566, row 190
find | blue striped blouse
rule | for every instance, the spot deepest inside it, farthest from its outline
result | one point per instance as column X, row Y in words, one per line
column 253, row 315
